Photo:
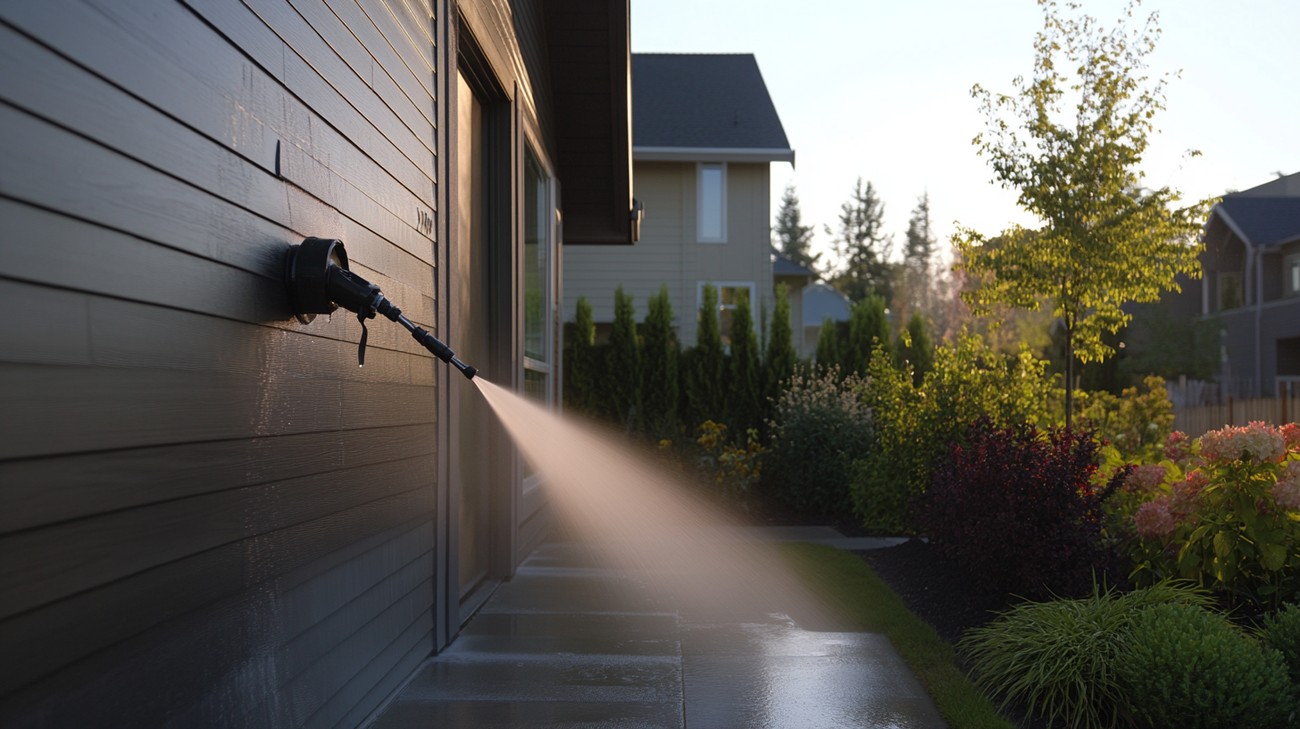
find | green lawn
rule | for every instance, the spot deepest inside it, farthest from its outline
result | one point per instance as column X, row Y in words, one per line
column 862, row 601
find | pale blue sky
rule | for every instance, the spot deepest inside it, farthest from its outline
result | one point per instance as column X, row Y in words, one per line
column 881, row 90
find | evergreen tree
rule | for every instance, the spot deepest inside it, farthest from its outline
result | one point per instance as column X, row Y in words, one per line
column 828, row 346
column 659, row 368
column 624, row 375
column 779, row 362
column 705, row 367
column 914, row 348
column 868, row 329
column 917, row 272
column 862, row 246
column 581, row 373
column 744, row 384
column 793, row 238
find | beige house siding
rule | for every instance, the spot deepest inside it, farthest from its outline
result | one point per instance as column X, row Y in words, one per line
column 668, row 252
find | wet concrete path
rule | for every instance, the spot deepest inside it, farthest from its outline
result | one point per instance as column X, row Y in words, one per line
column 568, row 643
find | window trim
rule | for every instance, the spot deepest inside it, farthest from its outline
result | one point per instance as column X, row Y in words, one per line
column 700, row 236
column 1291, row 274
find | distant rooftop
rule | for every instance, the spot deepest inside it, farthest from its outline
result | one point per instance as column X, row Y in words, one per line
column 713, row 107
column 1263, row 216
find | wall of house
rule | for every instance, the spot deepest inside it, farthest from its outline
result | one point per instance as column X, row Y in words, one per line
column 210, row 515
column 668, row 252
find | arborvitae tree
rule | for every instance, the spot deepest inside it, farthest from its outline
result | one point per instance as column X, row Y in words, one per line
column 868, row 329
column 581, row 374
column 863, row 246
column 744, row 384
column 705, row 367
column 779, row 362
column 793, row 238
column 913, row 347
column 624, row 372
column 828, row 346
column 659, row 368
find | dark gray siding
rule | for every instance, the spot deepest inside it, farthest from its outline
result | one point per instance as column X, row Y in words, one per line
column 209, row 516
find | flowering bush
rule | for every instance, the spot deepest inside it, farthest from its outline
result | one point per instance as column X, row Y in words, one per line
column 733, row 468
column 1227, row 514
column 1017, row 509
column 1137, row 423
column 820, row 426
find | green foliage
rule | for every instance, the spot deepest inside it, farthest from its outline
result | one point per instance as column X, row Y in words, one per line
column 793, row 238
column 624, row 374
column 828, row 346
column 820, row 426
column 733, row 468
column 1281, row 632
column 915, row 424
column 1160, row 343
column 659, row 380
column 705, row 365
column 913, row 351
column 1184, row 666
column 1058, row 659
column 744, row 386
column 863, row 246
column 779, row 362
column 1106, row 238
column 581, row 361
column 1137, row 423
column 868, row 330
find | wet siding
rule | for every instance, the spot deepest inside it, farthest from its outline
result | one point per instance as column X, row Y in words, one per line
column 209, row 516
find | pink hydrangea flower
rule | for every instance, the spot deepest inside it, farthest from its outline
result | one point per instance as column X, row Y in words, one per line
column 1154, row 520
column 1287, row 494
column 1257, row 441
column 1178, row 447
column 1144, row 479
column 1187, row 495
column 1291, row 435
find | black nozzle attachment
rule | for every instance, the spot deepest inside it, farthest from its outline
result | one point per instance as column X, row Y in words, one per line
column 317, row 277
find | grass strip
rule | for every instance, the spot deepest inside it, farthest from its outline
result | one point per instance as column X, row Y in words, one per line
column 860, row 600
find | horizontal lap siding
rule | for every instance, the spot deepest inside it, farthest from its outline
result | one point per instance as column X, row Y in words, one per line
column 209, row 516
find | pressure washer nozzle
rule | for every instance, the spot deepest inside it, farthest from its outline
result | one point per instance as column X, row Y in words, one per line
column 468, row 371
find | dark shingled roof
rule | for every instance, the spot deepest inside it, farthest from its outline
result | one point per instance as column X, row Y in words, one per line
column 783, row 266
column 704, row 101
column 1262, row 221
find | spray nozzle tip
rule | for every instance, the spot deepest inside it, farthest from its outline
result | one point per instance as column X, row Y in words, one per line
column 469, row 372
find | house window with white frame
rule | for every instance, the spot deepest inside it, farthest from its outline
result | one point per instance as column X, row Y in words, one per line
column 539, row 294
column 711, row 202
column 1229, row 285
column 1291, row 272
column 729, row 295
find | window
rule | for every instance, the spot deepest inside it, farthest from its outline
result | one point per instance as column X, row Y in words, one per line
column 1291, row 270
column 729, row 294
column 1229, row 290
column 539, row 294
column 711, row 203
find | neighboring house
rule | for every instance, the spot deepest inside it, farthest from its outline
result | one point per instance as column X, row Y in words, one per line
column 1251, row 282
column 209, row 515
column 820, row 302
column 705, row 133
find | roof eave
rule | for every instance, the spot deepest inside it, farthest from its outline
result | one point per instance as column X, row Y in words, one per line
column 712, row 154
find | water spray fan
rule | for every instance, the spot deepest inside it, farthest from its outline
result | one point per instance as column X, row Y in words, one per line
column 319, row 282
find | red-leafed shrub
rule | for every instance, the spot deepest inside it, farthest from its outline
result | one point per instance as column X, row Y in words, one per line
column 1015, row 507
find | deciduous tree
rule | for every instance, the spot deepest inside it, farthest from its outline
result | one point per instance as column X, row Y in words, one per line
column 1070, row 140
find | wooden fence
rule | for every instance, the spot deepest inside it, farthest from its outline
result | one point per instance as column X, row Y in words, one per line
column 1197, row 420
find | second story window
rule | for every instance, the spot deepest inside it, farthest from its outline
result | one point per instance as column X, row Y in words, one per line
column 1291, row 271
column 711, row 202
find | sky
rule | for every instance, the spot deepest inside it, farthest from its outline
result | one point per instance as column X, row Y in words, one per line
column 881, row 90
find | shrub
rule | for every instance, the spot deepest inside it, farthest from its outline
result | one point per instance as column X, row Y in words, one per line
column 581, row 361
column 733, row 469
column 780, row 358
column 820, row 426
column 744, row 386
column 1233, row 521
column 704, row 365
column 1137, row 423
column 1281, row 632
column 1017, row 509
column 1184, row 666
column 914, row 425
column 623, row 380
column 1058, row 659
column 828, row 346
column 868, row 331
column 913, row 350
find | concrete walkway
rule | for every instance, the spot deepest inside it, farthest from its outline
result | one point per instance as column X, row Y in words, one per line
column 568, row 643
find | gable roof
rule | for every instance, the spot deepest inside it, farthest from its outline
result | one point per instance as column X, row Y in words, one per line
column 1261, row 221
column 696, row 106
column 783, row 265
